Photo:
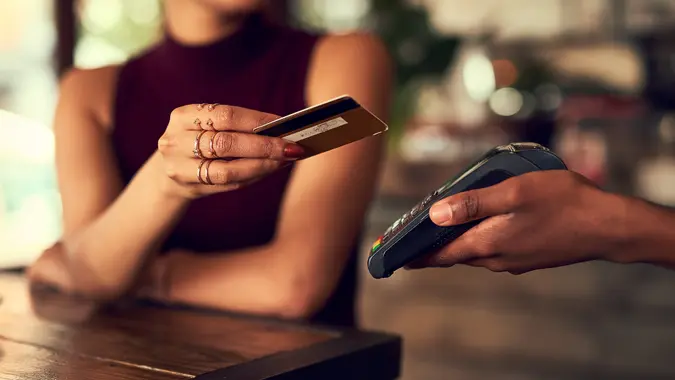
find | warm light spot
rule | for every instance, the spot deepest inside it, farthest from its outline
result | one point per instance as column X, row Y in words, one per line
column 505, row 72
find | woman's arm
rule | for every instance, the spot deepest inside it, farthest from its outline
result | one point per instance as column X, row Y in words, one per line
column 323, row 210
column 108, row 231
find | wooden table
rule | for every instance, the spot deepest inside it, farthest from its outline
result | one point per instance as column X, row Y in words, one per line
column 45, row 335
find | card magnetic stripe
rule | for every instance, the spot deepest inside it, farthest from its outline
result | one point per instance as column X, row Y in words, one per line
column 310, row 118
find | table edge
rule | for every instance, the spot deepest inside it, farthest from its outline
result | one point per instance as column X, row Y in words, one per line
column 352, row 355
column 348, row 353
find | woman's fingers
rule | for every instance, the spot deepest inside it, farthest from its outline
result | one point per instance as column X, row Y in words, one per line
column 221, row 172
column 219, row 117
column 201, row 139
column 213, row 144
column 222, row 131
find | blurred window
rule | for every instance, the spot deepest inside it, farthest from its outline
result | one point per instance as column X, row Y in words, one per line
column 109, row 32
column 29, row 202
column 113, row 30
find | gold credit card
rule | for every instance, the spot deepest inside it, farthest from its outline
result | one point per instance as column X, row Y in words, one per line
column 325, row 126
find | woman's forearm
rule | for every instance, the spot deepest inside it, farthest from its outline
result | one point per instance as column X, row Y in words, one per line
column 259, row 280
column 103, row 258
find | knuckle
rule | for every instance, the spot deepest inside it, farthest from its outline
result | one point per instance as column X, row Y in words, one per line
column 257, row 169
column 176, row 113
column 496, row 265
column 265, row 118
column 571, row 180
column 172, row 173
column 267, row 147
column 260, row 166
column 225, row 176
column 164, row 143
column 484, row 247
column 224, row 142
column 269, row 165
column 470, row 206
column 225, row 115
column 516, row 194
column 452, row 256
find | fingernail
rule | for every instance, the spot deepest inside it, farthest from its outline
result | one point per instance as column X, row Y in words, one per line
column 441, row 214
column 293, row 151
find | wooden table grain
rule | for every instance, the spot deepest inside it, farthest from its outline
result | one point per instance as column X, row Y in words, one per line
column 45, row 335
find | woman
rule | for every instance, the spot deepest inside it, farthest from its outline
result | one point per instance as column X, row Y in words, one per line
column 272, row 236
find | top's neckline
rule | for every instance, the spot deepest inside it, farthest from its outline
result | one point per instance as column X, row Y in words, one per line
column 234, row 49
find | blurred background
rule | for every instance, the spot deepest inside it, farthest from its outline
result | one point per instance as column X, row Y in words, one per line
column 592, row 79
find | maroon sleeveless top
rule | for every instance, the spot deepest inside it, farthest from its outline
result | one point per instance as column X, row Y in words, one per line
column 261, row 67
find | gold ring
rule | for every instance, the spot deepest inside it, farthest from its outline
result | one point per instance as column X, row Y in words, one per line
column 206, row 173
column 201, row 106
column 199, row 172
column 209, row 123
column 212, row 151
column 197, row 150
column 197, row 122
column 211, row 107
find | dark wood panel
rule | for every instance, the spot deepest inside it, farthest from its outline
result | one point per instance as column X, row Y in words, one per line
column 26, row 362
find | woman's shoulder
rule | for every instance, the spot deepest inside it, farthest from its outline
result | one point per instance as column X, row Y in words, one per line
column 353, row 40
column 92, row 90
column 350, row 48
column 357, row 56
column 333, row 43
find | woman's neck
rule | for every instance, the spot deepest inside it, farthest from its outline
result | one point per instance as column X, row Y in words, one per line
column 191, row 23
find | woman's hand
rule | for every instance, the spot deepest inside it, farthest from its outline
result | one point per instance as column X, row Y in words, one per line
column 50, row 269
column 209, row 148
column 534, row 221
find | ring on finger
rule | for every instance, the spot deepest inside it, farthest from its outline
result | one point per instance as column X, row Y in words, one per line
column 199, row 172
column 209, row 123
column 201, row 106
column 206, row 172
column 197, row 151
column 211, row 107
column 212, row 151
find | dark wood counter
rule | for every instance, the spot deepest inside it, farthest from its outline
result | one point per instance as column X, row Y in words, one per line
column 45, row 335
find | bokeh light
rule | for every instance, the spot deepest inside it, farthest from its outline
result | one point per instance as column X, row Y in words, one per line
column 100, row 16
column 114, row 30
column 479, row 77
column 506, row 101
column 332, row 15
